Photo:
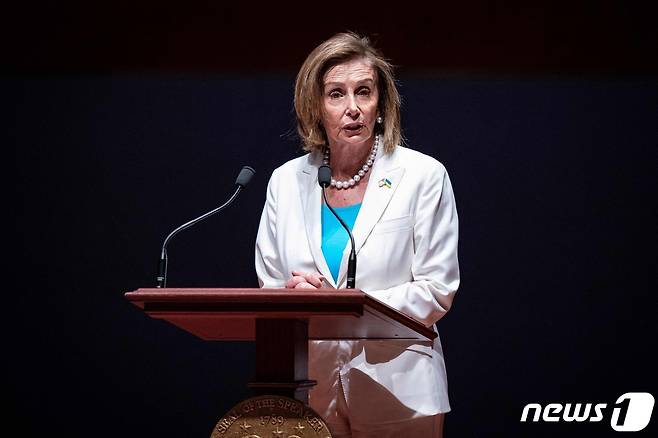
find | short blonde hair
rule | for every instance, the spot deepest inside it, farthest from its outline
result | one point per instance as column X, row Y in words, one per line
column 309, row 89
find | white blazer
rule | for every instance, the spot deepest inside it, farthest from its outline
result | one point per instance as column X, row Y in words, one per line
column 406, row 236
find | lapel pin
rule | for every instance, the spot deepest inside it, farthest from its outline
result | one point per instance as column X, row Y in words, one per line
column 385, row 182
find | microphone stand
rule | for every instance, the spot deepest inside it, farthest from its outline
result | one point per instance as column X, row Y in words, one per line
column 324, row 179
column 242, row 180
column 162, row 265
column 351, row 264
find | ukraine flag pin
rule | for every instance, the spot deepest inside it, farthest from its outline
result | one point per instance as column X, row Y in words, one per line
column 385, row 182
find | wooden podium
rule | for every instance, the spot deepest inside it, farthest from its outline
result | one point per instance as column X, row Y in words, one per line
column 281, row 321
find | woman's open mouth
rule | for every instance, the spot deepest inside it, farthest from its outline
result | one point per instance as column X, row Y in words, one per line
column 353, row 127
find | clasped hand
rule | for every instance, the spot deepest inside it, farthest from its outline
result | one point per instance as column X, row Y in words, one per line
column 305, row 280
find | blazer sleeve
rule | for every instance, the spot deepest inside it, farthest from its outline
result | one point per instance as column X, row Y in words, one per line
column 268, row 262
column 435, row 269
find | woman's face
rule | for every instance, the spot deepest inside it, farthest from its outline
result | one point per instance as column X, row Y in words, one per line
column 350, row 99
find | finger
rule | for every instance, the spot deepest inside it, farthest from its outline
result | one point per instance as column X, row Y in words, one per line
column 315, row 279
column 294, row 281
column 305, row 285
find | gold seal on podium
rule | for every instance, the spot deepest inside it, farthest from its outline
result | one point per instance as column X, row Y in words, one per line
column 271, row 416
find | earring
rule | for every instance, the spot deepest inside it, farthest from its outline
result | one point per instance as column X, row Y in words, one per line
column 379, row 119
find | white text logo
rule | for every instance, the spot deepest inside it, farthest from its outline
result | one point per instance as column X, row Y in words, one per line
column 631, row 412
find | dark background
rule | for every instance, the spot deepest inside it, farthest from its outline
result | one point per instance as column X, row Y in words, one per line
column 126, row 120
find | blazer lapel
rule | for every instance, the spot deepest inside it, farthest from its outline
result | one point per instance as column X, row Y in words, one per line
column 311, row 197
column 384, row 181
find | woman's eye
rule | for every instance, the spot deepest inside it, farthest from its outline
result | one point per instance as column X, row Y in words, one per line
column 364, row 92
column 335, row 94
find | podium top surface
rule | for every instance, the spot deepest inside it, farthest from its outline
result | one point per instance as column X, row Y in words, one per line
column 230, row 314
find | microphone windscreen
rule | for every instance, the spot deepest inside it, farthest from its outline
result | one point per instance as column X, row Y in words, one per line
column 324, row 176
column 245, row 175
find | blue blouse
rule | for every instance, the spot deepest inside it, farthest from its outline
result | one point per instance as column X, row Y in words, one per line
column 334, row 236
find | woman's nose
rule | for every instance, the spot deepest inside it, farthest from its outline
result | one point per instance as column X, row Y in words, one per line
column 352, row 109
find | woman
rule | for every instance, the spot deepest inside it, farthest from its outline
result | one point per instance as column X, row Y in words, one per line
column 401, row 208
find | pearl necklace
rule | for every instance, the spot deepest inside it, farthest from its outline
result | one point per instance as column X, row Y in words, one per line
column 360, row 174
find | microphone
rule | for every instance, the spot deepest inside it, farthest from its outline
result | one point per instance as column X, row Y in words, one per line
column 324, row 179
column 245, row 175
